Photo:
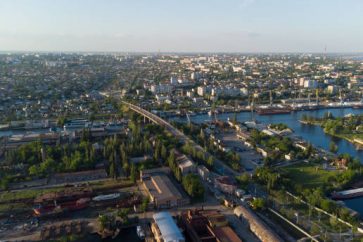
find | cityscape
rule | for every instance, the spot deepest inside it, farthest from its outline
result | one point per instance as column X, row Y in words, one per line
column 203, row 139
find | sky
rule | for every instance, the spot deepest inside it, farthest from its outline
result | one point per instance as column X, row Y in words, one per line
column 182, row 25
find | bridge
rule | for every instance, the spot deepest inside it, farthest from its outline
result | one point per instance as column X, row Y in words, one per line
column 179, row 135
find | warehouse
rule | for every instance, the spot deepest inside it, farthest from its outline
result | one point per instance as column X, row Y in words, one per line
column 257, row 226
column 161, row 190
column 165, row 229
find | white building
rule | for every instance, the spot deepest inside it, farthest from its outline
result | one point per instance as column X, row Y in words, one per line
column 310, row 84
column 165, row 229
column 173, row 80
column 332, row 89
column 161, row 89
column 201, row 90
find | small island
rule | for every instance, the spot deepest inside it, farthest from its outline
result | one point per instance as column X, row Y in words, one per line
column 349, row 127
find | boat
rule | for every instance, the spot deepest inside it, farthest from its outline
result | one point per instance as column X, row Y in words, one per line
column 271, row 111
column 56, row 209
column 347, row 194
column 106, row 197
column 140, row 232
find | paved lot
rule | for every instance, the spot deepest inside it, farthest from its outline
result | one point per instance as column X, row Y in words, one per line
column 250, row 159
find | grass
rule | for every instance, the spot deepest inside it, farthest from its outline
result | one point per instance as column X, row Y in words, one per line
column 7, row 197
column 14, row 208
column 308, row 175
column 24, row 194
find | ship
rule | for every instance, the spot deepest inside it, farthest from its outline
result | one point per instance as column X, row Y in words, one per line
column 358, row 106
column 56, row 209
column 347, row 194
column 272, row 111
column 56, row 203
column 107, row 197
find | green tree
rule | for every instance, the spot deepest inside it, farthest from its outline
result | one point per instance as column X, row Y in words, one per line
column 133, row 173
column 193, row 186
column 258, row 203
column 210, row 161
column 333, row 147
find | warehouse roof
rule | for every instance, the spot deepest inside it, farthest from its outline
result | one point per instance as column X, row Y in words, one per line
column 168, row 228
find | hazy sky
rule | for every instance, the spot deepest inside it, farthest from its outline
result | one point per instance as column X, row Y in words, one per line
column 182, row 25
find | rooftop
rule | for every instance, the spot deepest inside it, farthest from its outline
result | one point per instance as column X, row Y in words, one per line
column 167, row 227
column 160, row 187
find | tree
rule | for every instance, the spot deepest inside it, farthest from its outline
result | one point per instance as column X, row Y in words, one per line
column 48, row 166
column 333, row 147
column 123, row 214
column 133, row 173
column 61, row 121
column 258, row 203
column 163, row 152
column 34, row 170
column 243, row 179
column 112, row 170
column 210, row 161
column 144, row 205
column 171, row 160
column 193, row 186
column 106, row 221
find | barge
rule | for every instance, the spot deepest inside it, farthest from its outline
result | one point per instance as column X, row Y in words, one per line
column 347, row 194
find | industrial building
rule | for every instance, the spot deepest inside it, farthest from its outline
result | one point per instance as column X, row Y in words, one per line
column 165, row 229
column 207, row 226
column 161, row 190
column 185, row 164
column 226, row 184
column 257, row 226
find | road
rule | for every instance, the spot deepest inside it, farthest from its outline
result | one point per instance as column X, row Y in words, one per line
column 181, row 136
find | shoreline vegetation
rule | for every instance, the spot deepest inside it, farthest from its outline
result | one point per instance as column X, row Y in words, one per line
column 349, row 127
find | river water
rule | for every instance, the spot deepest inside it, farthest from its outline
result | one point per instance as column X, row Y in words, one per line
column 312, row 134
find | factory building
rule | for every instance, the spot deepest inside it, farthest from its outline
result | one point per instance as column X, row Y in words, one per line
column 257, row 226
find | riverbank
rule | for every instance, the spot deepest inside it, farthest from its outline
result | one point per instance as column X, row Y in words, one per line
column 356, row 139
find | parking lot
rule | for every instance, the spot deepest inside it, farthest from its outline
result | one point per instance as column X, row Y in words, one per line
column 250, row 159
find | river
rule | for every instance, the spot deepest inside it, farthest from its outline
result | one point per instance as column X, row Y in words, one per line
column 312, row 134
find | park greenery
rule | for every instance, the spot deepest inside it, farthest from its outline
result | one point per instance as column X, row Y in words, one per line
column 277, row 147
column 311, row 183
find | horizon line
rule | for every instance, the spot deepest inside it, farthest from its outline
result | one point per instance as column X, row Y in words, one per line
column 180, row 52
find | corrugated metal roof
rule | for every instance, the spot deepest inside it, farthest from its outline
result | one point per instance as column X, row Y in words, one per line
column 168, row 228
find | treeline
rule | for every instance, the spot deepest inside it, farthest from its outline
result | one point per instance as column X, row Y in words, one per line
column 43, row 160
column 337, row 125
